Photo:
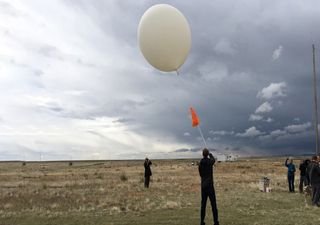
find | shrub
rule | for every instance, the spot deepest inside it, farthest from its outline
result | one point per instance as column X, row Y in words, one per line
column 123, row 177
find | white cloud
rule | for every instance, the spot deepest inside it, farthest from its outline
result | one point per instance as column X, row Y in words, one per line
column 277, row 53
column 213, row 71
column 269, row 120
column 224, row 47
column 221, row 132
column 277, row 133
column 273, row 135
column 186, row 134
column 274, row 90
column 288, row 132
column 81, row 136
column 255, row 117
column 298, row 128
column 297, row 119
column 250, row 132
column 216, row 138
column 264, row 108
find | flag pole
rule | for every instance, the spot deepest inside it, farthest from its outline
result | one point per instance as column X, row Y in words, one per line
column 204, row 140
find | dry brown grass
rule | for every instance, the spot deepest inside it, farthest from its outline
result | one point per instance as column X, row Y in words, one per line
column 59, row 190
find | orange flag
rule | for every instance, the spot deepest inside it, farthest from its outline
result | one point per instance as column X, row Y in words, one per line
column 195, row 118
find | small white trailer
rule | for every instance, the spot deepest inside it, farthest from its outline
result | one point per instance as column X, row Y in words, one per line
column 231, row 158
column 221, row 158
column 225, row 158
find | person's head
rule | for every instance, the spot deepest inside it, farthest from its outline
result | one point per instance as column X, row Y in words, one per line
column 146, row 159
column 290, row 160
column 205, row 152
column 307, row 161
column 318, row 158
column 314, row 158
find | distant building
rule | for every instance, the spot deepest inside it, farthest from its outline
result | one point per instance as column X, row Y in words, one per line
column 226, row 157
column 231, row 157
column 221, row 158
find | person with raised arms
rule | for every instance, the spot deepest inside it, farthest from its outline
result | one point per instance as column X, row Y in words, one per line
column 291, row 172
column 207, row 188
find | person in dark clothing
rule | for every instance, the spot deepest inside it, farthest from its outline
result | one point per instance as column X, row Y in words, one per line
column 308, row 161
column 304, row 181
column 207, row 188
column 147, row 172
column 313, row 160
column 291, row 171
column 314, row 176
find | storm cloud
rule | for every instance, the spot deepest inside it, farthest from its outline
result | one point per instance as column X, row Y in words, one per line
column 73, row 83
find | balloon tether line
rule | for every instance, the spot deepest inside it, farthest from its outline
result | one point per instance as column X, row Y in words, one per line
column 204, row 141
column 199, row 128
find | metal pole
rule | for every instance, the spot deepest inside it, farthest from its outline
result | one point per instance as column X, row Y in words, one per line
column 315, row 100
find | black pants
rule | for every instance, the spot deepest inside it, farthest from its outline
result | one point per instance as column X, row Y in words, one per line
column 146, row 181
column 316, row 194
column 291, row 182
column 303, row 182
column 205, row 193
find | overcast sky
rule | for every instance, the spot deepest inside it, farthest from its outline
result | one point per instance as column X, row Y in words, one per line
column 74, row 84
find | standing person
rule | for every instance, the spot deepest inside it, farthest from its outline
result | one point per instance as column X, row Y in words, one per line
column 291, row 171
column 303, row 174
column 207, row 188
column 147, row 172
column 313, row 160
column 314, row 175
column 308, row 161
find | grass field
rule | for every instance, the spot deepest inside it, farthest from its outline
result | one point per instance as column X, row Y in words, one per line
column 112, row 193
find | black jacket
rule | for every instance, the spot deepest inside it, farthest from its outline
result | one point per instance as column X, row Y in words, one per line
column 205, row 171
column 147, row 169
column 314, row 173
column 303, row 168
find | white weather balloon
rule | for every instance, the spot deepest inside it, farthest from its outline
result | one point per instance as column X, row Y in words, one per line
column 164, row 37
